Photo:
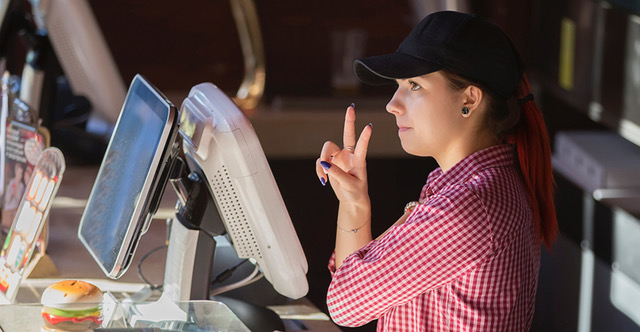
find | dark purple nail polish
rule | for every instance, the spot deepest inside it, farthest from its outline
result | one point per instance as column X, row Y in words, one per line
column 353, row 105
column 322, row 180
column 325, row 164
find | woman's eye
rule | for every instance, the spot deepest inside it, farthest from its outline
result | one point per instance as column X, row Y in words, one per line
column 415, row 86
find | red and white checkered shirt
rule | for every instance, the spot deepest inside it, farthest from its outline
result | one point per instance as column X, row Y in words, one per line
column 466, row 259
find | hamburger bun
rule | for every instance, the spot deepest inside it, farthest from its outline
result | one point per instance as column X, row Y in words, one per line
column 71, row 305
column 74, row 294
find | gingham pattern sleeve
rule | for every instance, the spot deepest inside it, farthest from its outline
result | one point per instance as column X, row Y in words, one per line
column 444, row 238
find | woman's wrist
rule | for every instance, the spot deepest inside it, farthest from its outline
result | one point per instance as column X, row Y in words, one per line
column 352, row 217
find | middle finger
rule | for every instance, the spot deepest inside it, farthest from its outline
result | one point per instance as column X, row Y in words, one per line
column 349, row 133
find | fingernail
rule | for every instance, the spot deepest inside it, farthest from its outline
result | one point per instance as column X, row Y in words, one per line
column 325, row 164
column 353, row 105
column 323, row 181
column 370, row 124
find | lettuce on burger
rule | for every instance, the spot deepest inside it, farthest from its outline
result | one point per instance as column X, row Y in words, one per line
column 71, row 305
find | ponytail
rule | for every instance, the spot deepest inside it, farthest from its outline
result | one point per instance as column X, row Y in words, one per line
column 534, row 154
column 534, row 151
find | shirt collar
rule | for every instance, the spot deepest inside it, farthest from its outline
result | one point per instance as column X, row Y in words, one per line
column 494, row 156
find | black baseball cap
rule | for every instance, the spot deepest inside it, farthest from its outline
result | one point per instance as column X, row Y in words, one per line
column 463, row 43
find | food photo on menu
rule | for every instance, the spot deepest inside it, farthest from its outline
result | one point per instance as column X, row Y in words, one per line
column 23, row 147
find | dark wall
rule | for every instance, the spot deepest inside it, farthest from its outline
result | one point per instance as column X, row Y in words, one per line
column 179, row 44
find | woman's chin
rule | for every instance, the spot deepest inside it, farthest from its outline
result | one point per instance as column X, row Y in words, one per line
column 414, row 151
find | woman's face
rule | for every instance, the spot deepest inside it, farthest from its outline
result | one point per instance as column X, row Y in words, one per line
column 428, row 114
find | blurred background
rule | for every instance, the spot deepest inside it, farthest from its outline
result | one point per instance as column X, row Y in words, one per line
column 583, row 58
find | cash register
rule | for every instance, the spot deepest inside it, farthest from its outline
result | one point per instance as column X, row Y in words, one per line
column 212, row 157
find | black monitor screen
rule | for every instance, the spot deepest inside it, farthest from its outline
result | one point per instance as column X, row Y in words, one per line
column 119, row 204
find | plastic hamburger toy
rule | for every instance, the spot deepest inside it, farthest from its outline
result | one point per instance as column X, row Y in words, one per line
column 71, row 305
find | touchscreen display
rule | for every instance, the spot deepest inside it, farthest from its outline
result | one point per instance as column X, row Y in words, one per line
column 118, row 205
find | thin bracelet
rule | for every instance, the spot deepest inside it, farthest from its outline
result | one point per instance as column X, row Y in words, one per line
column 355, row 230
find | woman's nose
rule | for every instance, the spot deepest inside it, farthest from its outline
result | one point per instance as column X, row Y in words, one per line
column 394, row 106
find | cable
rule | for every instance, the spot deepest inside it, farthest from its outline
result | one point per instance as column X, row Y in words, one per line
column 251, row 278
column 169, row 222
column 224, row 275
column 153, row 287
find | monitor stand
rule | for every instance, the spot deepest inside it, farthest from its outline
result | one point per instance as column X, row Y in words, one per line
column 192, row 247
column 189, row 260
column 191, row 240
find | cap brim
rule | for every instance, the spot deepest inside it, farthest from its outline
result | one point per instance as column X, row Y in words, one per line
column 385, row 69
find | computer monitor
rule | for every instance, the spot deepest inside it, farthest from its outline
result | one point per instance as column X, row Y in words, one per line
column 83, row 54
column 222, row 149
column 130, row 179
column 219, row 140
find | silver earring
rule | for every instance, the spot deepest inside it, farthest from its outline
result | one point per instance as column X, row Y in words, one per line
column 465, row 110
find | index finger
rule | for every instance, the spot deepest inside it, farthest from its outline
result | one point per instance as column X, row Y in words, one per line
column 349, row 134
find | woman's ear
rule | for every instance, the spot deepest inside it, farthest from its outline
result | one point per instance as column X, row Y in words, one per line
column 473, row 96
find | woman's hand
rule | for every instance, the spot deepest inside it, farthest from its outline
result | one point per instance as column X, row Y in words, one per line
column 346, row 168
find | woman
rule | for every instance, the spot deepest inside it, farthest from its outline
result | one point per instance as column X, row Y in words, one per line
column 465, row 257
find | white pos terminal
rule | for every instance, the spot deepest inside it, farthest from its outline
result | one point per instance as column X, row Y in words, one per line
column 211, row 155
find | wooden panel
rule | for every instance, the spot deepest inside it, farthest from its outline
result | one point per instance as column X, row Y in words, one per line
column 179, row 44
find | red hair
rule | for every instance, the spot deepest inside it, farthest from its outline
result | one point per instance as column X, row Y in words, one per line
column 534, row 154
